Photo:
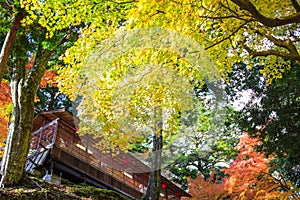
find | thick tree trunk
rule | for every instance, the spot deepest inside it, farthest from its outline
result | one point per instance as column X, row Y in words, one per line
column 8, row 42
column 154, row 183
column 17, row 143
column 23, row 87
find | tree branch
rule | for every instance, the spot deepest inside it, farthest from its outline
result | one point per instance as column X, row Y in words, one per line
column 222, row 17
column 8, row 42
column 228, row 37
column 37, row 70
column 42, row 58
column 267, row 21
column 270, row 52
column 287, row 43
column 124, row 2
column 296, row 5
column 228, row 8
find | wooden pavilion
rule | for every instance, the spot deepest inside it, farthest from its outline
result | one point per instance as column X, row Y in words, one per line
column 56, row 146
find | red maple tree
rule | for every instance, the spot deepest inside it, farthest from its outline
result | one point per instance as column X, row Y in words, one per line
column 203, row 189
column 5, row 100
column 248, row 178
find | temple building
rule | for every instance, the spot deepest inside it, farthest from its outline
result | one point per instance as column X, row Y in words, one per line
column 57, row 147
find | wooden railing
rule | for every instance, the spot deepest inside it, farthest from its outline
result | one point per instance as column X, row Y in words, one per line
column 99, row 174
column 70, row 151
column 41, row 143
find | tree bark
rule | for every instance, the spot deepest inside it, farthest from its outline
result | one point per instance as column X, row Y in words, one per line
column 23, row 89
column 154, row 183
column 247, row 5
column 8, row 42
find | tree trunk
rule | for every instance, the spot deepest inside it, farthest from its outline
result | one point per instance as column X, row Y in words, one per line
column 23, row 88
column 8, row 42
column 154, row 183
column 17, row 143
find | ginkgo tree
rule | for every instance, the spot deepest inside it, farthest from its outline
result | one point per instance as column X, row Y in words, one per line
column 232, row 30
column 141, row 95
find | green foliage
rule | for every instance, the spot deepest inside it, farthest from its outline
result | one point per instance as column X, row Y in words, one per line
column 50, row 98
column 273, row 115
column 206, row 150
column 6, row 14
column 28, row 189
column 96, row 193
column 9, row 109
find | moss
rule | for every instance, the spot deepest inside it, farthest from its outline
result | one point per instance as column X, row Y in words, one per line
column 34, row 188
column 96, row 193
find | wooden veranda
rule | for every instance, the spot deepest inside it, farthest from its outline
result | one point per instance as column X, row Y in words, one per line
column 56, row 145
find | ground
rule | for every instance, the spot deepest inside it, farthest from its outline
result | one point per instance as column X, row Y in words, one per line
column 33, row 188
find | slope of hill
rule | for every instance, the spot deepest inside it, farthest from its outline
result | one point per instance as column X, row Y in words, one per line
column 33, row 188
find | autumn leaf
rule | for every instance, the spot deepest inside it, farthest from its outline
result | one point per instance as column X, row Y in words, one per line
column 248, row 175
column 48, row 78
column 5, row 102
column 247, row 178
